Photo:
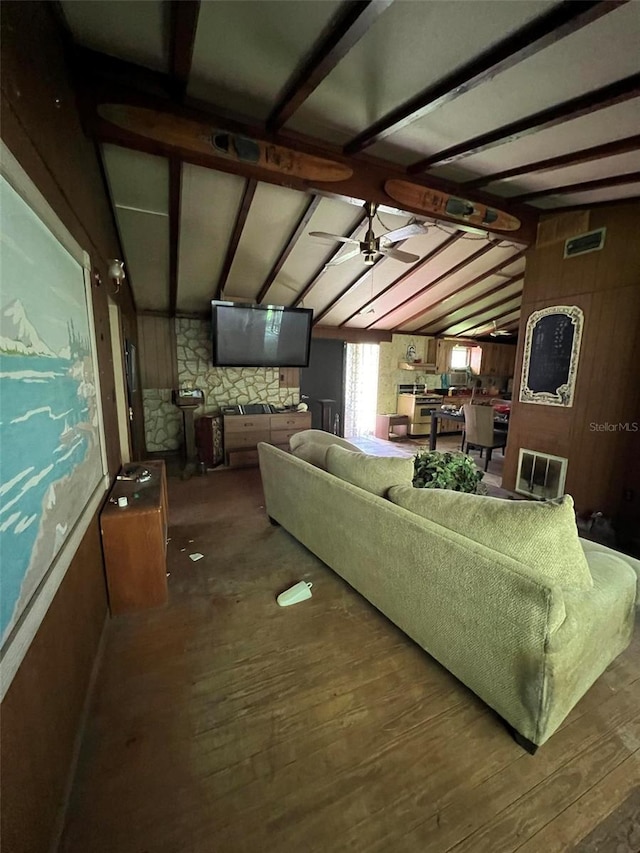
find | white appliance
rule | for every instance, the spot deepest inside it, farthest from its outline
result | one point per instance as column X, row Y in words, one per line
column 416, row 402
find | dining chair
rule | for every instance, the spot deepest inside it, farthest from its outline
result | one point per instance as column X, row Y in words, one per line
column 480, row 433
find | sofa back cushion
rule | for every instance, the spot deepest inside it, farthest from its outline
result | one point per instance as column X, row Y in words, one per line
column 375, row 474
column 311, row 445
column 540, row 535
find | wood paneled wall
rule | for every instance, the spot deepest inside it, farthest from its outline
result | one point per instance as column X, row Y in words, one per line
column 606, row 285
column 41, row 713
column 157, row 348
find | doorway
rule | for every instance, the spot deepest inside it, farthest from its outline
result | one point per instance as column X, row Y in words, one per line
column 361, row 389
column 322, row 384
column 122, row 407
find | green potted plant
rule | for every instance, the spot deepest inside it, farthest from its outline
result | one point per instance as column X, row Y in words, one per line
column 449, row 470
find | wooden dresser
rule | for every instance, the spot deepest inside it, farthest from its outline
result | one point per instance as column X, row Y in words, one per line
column 134, row 542
column 243, row 432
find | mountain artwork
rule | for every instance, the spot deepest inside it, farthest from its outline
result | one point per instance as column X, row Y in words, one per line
column 50, row 460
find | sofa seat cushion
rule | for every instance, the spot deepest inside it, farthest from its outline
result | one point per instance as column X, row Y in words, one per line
column 541, row 535
column 311, row 445
column 375, row 474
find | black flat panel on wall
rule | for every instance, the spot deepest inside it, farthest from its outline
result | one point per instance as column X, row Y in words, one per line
column 324, row 380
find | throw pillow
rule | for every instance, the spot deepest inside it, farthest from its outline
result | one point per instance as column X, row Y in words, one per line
column 375, row 474
column 311, row 445
column 542, row 535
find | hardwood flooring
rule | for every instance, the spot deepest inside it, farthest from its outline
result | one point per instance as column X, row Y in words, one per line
column 225, row 724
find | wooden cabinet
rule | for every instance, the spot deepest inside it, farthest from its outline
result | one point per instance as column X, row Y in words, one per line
column 134, row 542
column 498, row 359
column 242, row 433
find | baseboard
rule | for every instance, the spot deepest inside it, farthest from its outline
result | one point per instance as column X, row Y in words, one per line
column 56, row 836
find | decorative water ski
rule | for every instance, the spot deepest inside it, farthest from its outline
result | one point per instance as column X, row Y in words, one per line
column 205, row 139
column 438, row 203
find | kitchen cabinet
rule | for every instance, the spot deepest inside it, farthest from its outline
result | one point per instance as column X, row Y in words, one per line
column 498, row 359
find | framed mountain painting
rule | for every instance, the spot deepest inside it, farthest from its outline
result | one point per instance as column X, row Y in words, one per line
column 52, row 454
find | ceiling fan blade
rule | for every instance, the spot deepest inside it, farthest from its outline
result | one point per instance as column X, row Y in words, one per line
column 346, row 257
column 324, row 236
column 404, row 233
column 398, row 255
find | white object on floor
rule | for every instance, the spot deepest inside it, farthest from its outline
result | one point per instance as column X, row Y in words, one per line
column 298, row 592
column 196, row 556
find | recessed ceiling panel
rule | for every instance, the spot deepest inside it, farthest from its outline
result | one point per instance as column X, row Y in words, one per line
column 388, row 315
column 245, row 51
column 595, row 170
column 383, row 276
column 486, row 316
column 469, row 316
column 587, row 198
column 446, row 312
column 411, row 46
column 571, row 67
column 273, row 215
column 210, row 202
column 309, row 253
column 487, row 327
column 134, row 30
column 137, row 180
column 145, row 239
column 139, row 188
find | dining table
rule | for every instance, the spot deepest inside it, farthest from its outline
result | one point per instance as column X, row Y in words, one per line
column 500, row 422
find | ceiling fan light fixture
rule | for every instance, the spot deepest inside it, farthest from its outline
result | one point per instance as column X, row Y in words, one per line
column 369, row 258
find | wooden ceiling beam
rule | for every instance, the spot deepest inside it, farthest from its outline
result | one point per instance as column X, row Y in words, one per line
column 585, row 104
column 573, row 158
column 591, row 205
column 563, row 20
column 315, row 278
column 184, row 22
column 358, row 280
column 478, row 313
column 460, row 266
column 471, row 283
column 295, row 235
column 347, row 27
column 175, row 192
column 453, row 238
column 241, row 218
column 105, row 80
column 488, row 325
column 427, row 328
column 585, row 186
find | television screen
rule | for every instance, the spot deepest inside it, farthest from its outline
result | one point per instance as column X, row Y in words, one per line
column 260, row 335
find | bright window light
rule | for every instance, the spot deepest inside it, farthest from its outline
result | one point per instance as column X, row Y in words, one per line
column 460, row 358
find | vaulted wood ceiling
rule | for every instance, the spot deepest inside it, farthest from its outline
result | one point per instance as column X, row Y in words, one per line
column 525, row 106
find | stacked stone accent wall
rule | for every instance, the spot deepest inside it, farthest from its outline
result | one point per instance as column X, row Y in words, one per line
column 223, row 386
column 162, row 420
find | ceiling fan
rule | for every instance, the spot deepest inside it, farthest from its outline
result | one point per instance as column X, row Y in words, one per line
column 372, row 245
column 499, row 333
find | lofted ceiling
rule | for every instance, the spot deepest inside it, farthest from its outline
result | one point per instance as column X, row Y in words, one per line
column 525, row 107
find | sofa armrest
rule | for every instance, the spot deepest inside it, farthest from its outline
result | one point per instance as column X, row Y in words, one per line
column 590, row 547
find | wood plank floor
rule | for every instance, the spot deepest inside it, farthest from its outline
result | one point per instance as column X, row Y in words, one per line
column 224, row 723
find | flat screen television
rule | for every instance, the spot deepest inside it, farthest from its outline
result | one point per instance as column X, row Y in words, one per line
column 260, row 335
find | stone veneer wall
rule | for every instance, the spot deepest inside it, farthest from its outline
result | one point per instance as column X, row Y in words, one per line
column 390, row 376
column 162, row 420
column 224, row 386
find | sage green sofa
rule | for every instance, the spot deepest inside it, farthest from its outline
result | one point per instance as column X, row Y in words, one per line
column 475, row 581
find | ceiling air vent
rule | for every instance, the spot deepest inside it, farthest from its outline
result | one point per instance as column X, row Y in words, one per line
column 592, row 241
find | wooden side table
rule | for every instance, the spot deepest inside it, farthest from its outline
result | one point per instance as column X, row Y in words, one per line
column 386, row 426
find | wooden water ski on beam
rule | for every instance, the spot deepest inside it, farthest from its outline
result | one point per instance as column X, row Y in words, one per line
column 205, row 139
column 437, row 203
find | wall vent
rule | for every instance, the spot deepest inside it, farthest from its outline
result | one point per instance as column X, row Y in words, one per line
column 592, row 241
column 540, row 475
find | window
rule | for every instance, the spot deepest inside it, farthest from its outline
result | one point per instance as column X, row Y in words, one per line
column 460, row 358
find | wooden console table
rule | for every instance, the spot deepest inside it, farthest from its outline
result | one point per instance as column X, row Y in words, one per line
column 134, row 542
column 242, row 434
